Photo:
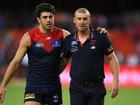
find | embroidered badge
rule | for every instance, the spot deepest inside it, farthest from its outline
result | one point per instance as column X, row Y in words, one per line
column 74, row 42
column 92, row 47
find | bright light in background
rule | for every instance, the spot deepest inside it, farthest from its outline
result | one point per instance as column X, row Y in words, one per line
column 129, row 76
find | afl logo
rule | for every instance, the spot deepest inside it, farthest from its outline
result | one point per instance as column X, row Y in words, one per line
column 39, row 44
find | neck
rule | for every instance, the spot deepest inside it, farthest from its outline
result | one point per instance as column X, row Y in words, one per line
column 84, row 33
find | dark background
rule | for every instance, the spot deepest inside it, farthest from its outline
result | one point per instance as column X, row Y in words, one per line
column 107, row 7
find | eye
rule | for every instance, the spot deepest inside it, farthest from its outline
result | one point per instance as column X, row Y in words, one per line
column 44, row 17
column 79, row 18
column 85, row 19
column 50, row 16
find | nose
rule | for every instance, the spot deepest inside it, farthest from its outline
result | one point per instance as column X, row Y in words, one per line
column 48, row 19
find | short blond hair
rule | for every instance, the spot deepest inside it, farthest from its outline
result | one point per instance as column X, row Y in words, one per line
column 82, row 10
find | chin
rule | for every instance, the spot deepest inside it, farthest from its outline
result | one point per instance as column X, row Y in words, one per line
column 48, row 28
column 82, row 30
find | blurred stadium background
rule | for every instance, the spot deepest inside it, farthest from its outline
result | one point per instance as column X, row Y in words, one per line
column 121, row 18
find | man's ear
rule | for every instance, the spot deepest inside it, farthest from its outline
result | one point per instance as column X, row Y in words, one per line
column 38, row 19
column 74, row 20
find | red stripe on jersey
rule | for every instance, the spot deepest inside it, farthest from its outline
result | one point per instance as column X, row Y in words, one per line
column 47, row 39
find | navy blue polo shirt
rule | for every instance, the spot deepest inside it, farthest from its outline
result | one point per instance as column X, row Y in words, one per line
column 87, row 59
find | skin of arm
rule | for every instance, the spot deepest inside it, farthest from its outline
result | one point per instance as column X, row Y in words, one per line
column 14, row 64
column 115, row 68
column 65, row 33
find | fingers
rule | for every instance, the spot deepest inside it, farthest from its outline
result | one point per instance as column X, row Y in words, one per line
column 1, row 99
column 114, row 92
column 102, row 30
column 2, row 95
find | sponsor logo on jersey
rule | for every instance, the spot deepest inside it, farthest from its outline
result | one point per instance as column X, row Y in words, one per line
column 56, row 43
column 48, row 38
column 55, row 98
column 30, row 96
column 39, row 44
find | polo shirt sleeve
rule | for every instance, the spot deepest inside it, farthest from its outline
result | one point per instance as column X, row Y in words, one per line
column 66, row 48
column 106, row 45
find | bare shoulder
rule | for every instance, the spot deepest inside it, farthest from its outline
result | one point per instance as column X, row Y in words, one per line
column 25, row 40
column 65, row 32
column 26, row 36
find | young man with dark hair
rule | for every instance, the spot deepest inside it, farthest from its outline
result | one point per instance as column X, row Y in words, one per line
column 43, row 46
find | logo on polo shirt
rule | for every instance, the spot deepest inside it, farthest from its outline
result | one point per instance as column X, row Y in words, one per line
column 74, row 42
column 74, row 46
column 92, row 47
column 92, row 42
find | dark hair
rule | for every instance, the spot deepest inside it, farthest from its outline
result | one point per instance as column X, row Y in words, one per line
column 44, row 7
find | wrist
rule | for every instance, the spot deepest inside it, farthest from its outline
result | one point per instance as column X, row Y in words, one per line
column 116, row 79
column 3, row 85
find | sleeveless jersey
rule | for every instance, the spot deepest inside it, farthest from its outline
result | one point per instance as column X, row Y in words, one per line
column 44, row 56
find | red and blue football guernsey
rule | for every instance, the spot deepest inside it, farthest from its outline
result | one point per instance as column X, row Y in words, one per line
column 44, row 56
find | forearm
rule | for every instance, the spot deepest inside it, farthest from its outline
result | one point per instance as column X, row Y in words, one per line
column 12, row 68
column 114, row 65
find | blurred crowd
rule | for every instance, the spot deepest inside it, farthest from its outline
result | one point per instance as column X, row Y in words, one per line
column 124, row 32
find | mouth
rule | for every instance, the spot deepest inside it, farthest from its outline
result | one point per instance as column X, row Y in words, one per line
column 82, row 26
column 48, row 25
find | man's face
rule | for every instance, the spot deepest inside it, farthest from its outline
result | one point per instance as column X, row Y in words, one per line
column 82, row 21
column 46, row 20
